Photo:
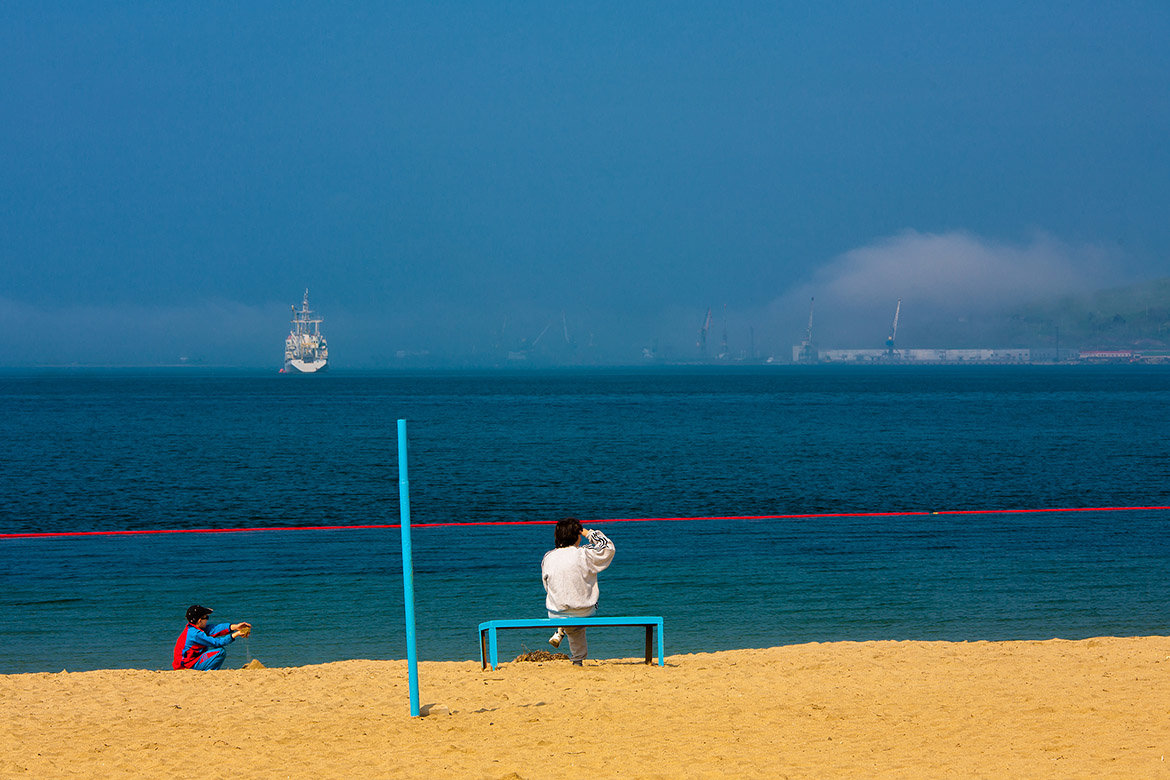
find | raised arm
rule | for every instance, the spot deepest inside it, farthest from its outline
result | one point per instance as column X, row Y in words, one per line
column 598, row 551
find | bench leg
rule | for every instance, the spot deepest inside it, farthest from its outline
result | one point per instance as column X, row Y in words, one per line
column 492, row 647
column 483, row 656
column 649, row 642
column 661, row 653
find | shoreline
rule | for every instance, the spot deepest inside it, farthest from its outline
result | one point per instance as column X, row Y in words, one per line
column 879, row 708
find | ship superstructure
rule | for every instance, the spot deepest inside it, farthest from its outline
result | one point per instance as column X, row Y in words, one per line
column 305, row 349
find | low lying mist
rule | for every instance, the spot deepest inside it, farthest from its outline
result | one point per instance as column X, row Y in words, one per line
column 957, row 290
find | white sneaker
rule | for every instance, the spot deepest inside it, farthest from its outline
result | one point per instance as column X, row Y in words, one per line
column 555, row 639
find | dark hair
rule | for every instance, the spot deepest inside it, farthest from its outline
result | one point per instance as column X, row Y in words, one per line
column 568, row 532
column 195, row 612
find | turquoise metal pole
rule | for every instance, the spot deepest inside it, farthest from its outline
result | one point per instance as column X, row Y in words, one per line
column 407, row 568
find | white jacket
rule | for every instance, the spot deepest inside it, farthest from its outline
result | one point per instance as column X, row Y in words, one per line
column 570, row 573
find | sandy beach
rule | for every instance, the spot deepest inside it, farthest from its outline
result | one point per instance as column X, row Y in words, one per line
column 1057, row 708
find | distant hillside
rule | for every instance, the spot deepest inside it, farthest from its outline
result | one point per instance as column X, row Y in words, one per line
column 1133, row 317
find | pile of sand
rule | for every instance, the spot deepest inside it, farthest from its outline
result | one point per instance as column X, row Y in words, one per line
column 1005, row 709
column 540, row 656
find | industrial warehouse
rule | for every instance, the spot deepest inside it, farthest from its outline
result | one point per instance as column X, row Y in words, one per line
column 806, row 352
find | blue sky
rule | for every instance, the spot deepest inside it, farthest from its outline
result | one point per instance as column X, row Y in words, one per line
column 173, row 177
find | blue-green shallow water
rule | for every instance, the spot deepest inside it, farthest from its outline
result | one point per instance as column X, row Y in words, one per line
column 125, row 450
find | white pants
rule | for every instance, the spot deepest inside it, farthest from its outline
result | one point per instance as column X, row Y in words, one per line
column 578, row 647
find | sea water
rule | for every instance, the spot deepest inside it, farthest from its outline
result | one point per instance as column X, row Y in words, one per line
column 204, row 449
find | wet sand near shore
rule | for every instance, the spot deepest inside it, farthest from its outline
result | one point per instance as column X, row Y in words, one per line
column 1091, row 708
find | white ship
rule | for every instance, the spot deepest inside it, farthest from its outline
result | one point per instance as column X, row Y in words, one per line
column 305, row 350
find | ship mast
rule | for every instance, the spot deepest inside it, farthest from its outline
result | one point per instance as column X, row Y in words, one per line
column 304, row 324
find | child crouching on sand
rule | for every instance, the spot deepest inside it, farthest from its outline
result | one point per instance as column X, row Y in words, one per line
column 570, row 574
column 201, row 646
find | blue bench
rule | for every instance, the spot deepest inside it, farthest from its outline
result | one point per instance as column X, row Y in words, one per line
column 488, row 629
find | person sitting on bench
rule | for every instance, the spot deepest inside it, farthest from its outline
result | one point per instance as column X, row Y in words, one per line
column 570, row 574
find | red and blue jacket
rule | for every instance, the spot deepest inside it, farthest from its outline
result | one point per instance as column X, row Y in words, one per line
column 193, row 643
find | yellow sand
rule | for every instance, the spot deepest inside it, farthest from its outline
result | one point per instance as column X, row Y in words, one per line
column 1089, row 708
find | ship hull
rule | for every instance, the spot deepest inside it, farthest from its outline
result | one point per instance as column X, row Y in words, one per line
column 297, row 366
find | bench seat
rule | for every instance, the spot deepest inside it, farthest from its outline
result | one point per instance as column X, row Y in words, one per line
column 488, row 629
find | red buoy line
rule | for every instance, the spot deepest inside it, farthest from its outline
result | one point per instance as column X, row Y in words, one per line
column 827, row 515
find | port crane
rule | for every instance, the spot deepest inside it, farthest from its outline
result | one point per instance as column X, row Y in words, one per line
column 702, row 342
column 525, row 347
column 723, row 344
column 893, row 330
column 539, row 336
column 807, row 355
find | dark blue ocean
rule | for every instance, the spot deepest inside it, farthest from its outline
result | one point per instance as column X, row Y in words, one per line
column 127, row 450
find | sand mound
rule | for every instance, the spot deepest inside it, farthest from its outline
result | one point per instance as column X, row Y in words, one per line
column 541, row 655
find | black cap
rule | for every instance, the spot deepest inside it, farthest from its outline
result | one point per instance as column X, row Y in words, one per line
column 195, row 612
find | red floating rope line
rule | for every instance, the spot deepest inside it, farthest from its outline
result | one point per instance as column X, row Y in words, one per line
column 828, row 515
